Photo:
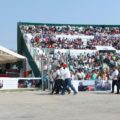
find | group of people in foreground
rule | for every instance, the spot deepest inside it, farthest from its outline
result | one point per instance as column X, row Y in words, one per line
column 62, row 80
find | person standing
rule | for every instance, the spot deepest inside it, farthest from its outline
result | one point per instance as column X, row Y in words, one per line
column 114, row 78
column 57, row 81
column 62, row 80
column 68, row 79
column 51, row 80
column 55, row 85
column 118, row 82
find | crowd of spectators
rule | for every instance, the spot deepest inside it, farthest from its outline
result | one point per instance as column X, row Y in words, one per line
column 45, row 36
column 85, row 66
column 97, row 65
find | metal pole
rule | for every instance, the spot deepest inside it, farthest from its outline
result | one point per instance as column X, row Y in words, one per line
column 48, row 62
column 40, row 71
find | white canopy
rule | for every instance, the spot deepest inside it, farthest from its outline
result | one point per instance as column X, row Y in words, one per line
column 105, row 48
column 8, row 56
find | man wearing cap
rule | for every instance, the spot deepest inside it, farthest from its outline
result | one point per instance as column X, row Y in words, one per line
column 67, row 78
column 62, row 78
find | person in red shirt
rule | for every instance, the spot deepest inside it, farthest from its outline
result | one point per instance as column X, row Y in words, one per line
column 88, row 76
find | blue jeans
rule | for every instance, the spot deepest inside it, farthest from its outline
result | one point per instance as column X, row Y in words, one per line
column 67, row 83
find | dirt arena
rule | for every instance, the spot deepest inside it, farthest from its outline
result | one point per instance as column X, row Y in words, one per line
column 38, row 105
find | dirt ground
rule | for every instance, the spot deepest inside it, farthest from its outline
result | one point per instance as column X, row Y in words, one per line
column 39, row 105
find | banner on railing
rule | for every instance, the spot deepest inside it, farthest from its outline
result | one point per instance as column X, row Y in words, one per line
column 15, row 83
column 80, row 85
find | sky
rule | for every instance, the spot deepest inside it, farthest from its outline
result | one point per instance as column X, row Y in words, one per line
column 54, row 11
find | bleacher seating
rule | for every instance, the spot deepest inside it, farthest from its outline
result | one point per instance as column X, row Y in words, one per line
column 74, row 37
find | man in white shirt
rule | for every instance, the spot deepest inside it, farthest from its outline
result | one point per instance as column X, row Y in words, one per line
column 114, row 78
column 62, row 80
column 67, row 78
column 57, row 84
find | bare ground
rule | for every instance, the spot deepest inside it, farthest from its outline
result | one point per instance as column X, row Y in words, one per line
column 38, row 105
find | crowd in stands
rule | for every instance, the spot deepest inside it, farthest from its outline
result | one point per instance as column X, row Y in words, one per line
column 72, row 37
column 85, row 66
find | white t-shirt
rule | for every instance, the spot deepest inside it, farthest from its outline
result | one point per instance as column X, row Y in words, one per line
column 115, row 74
column 61, row 73
column 66, row 73
column 58, row 74
column 54, row 75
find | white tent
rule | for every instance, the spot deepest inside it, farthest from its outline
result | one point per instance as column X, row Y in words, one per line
column 8, row 56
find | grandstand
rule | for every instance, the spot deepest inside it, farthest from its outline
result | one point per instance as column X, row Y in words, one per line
column 85, row 48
